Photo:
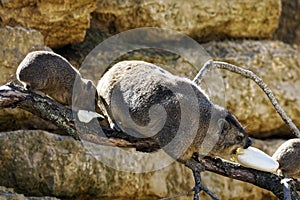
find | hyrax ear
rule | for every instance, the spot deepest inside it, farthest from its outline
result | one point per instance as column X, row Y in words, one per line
column 89, row 85
column 223, row 125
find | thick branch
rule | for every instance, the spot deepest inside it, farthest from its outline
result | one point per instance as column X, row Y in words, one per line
column 265, row 180
column 12, row 96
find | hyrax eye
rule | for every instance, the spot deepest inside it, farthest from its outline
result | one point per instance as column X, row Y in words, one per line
column 239, row 138
column 28, row 87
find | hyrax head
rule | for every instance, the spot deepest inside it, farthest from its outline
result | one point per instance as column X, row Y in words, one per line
column 226, row 133
column 85, row 96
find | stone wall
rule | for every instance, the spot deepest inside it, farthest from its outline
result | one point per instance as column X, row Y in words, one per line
column 203, row 20
column 262, row 36
column 61, row 22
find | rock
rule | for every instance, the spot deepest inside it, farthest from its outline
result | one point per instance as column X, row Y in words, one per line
column 59, row 166
column 76, row 53
column 278, row 65
column 10, row 194
column 15, row 43
column 61, row 22
column 203, row 20
column 289, row 24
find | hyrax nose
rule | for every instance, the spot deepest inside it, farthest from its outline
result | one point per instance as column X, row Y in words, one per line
column 248, row 143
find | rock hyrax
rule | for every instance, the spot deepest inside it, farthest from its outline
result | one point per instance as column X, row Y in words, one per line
column 144, row 100
column 288, row 157
column 53, row 75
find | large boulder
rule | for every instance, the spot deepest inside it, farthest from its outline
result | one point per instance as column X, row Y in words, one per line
column 41, row 163
column 278, row 65
column 61, row 22
column 203, row 20
column 60, row 166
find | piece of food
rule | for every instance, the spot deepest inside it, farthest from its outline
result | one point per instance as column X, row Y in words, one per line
column 87, row 116
column 255, row 159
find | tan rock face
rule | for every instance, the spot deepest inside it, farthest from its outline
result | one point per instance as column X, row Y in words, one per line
column 61, row 22
column 204, row 20
column 278, row 64
column 59, row 166
column 40, row 163
column 15, row 43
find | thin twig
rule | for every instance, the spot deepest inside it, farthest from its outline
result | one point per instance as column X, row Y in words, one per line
column 249, row 74
column 206, row 67
column 177, row 195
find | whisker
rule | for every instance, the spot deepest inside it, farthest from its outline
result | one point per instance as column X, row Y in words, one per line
column 245, row 127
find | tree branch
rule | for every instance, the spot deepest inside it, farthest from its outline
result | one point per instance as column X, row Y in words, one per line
column 12, row 96
column 249, row 74
column 265, row 180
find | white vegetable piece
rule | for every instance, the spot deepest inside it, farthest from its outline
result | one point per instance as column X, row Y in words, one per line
column 256, row 159
column 87, row 116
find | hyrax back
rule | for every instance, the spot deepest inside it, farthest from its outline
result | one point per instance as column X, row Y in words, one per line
column 144, row 100
column 53, row 75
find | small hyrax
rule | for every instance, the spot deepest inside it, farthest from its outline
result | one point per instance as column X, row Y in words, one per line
column 53, row 75
column 143, row 100
column 288, row 157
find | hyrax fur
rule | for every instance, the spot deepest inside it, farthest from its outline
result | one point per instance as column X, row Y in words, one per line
column 288, row 157
column 53, row 75
column 144, row 100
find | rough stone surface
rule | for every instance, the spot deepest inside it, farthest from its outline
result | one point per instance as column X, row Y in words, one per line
column 10, row 194
column 59, row 166
column 15, row 43
column 278, row 64
column 204, row 20
column 289, row 24
column 60, row 21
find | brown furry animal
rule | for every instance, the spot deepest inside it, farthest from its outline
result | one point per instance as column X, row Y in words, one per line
column 144, row 100
column 53, row 75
